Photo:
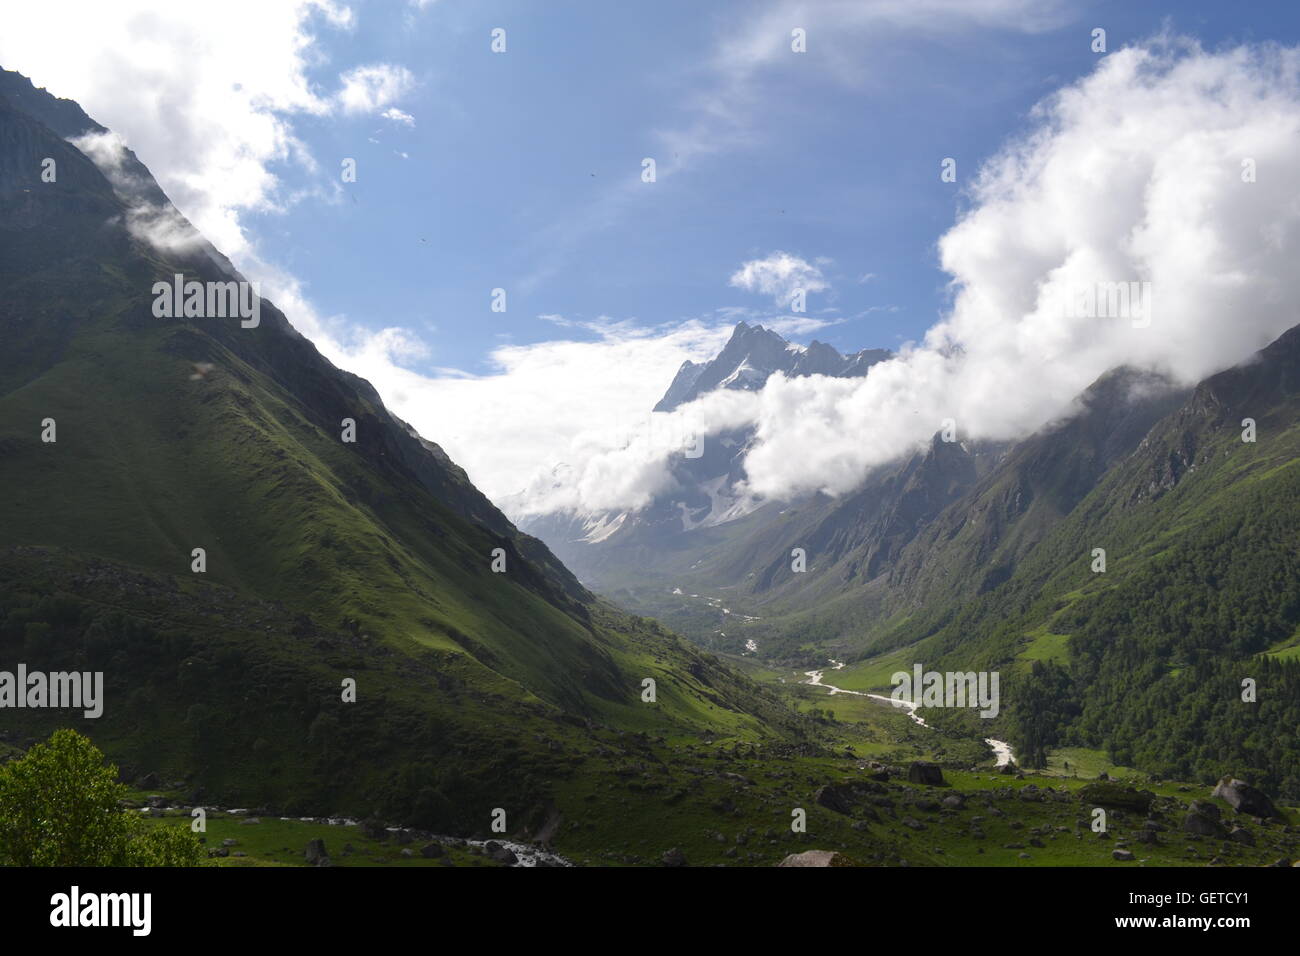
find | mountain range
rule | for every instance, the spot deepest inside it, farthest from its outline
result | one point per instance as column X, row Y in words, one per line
column 300, row 604
column 982, row 553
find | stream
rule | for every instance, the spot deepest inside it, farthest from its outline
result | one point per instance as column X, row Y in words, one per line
column 1001, row 749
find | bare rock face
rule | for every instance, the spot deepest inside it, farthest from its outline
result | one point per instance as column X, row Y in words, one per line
column 816, row 858
column 1244, row 798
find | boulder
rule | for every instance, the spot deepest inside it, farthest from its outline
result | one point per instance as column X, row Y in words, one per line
column 1122, row 855
column 1244, row 798
column 315, row 853
column 927, row 773
column 499, row 853
column 816, row 858
column 1202, row 824
column 1242, row 835
column 674, row 857
column 833, row 798
column 1116, row 796
column 432, row 850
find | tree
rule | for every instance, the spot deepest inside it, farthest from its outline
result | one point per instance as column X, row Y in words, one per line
column 59, row 806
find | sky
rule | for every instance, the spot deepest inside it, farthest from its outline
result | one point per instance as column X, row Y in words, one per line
column 523, row 170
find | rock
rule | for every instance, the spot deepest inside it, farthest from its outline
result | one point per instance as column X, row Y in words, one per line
column 499, row 853
column 1201, row 824
column 1147, row 836
column 1115, row 796
column 1122, row 855
column 315, row 853
column 373, row 830
column 834, row 799
column 674, row 857
column 407, row 851
column 251, row 821
column 927, row 773
column 816, row 858
column 432, row 850
column 1242, row 835
column 1204, row 808
column 954, row 801
column 230, row 841
column 913, row 824
column 149, row 781
column 1244, row 798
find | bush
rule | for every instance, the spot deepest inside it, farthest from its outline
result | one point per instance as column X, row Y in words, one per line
column 59, row 806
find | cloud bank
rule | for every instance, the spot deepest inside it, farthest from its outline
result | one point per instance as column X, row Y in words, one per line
column 1167, row 171
column 205, row 92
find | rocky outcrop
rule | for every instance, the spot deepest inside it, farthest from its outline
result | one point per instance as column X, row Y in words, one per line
column 1244, row 798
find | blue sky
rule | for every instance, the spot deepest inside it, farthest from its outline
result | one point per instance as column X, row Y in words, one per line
column 522, row 170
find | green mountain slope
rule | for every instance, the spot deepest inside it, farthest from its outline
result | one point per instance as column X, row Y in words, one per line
column 325, row 560
column 1201, row 591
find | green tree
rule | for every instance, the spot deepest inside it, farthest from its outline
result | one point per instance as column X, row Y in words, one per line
column 59, row 807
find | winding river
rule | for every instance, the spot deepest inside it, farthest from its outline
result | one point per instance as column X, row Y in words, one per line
column 1001, row 749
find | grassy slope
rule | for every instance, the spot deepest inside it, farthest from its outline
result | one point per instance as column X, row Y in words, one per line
column 325, row 560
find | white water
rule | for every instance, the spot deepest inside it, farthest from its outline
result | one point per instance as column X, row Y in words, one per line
column 525, row 853
column 1001, row 749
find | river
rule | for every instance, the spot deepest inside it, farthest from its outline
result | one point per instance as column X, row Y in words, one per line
column 1001, row 749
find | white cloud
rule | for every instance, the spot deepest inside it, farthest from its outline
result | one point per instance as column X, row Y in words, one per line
column 205, row 92
column 398, row 116
column 1131, row 175
column 367, row 89
column 541, row 405
column 779, row 275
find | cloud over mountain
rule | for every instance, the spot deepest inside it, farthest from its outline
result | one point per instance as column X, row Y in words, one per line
column 1139, row 173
